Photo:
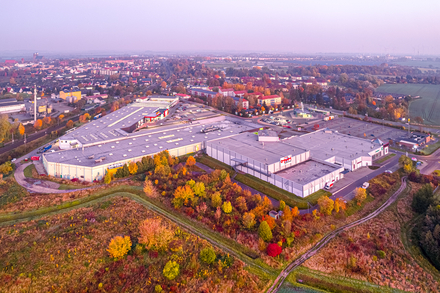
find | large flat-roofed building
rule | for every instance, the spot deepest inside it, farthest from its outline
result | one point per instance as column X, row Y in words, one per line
column 11, row 106
column 302, row 164
column 341, row 149
column 104, row 145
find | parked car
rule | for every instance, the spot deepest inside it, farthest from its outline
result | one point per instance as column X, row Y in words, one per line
column 13, row 160
column 365, row 185
column 388, row 171
column 328, row 185
column 35, row 158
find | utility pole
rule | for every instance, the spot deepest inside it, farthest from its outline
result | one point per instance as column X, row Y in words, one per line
column 409, row 126
column 35, row 103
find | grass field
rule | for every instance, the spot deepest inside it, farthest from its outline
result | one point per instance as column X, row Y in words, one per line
column 428, row 107
column 383, row 159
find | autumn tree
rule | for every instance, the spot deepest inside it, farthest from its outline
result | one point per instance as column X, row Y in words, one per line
column 248, row 220
column 190, row 161
column 6, row 168
column 38, row 124
column 216, row 200
column 282, row 205
column 171, row 270
column 227, row 207
column 273, row 250
column 69, row 124
column 287, row 214
column 132, row 168
column 150, row 190
column 163, row 84
column 326, row 205
column 264, row 231
column 199, row 189
column 207, row 255
column 360, row 195
column 241, row 204
column 154, row 232
column 108, row 178
column 119, row 246
column 21, row 129
column 182, row 196
column 340, row 204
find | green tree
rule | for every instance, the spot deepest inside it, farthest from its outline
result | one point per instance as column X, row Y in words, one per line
column 171, row 270
column 422, row 199
column 227, row 207
column 216, row 200
column 207, row 255
column 264, row 231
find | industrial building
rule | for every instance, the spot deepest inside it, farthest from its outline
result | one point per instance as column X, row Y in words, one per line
column 301, row 165
column 11, row 106
column 122, row 137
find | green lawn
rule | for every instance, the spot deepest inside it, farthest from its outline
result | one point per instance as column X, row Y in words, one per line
column 427, row 107
column 68, row 187
column 214, row 164
column 383, row 159
column 431, row 148
column 28, row 171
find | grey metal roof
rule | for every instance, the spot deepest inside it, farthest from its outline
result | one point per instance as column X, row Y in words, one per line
column 308, row 171
column 268, row 152
column 145, row 143
column 325, row 144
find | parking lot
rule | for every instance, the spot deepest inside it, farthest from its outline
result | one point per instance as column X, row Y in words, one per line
column 361, row 129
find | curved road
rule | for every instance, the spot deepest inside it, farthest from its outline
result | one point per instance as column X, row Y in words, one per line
column 311, row 252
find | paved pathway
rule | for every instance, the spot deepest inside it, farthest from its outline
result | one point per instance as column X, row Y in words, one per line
column 42, row 186
column 311, row 252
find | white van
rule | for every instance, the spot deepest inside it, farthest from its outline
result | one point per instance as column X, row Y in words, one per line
column 328, row 185
column 365, row 185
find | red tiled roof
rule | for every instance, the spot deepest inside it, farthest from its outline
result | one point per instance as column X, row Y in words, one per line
column 269, row 97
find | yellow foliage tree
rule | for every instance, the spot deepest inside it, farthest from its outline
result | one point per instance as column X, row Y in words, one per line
column 132, row 168
column 360, row 195
column 119, row 246
column 182, row 196
column 326, row 205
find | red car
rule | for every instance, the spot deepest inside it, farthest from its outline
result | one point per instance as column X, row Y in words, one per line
column 35, row 158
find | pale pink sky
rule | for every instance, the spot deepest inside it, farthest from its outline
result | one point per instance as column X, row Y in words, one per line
column 381, row 26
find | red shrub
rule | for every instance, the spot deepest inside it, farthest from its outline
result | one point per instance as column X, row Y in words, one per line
column 273, row 250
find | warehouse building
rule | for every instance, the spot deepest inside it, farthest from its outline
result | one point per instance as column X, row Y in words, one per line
column 11, row 106
column 106, row 144
column 301, row 165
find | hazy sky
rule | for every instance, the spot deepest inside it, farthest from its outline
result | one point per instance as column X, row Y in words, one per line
column 306, row 26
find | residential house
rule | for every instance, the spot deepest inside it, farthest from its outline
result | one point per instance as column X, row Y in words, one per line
column 272, row 100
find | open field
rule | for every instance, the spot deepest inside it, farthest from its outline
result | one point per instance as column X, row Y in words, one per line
column 427, row 107
column 375, row 252
column 67, row 252
column 425, row 64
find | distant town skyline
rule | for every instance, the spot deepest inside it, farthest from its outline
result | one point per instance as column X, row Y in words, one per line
column 383, row 27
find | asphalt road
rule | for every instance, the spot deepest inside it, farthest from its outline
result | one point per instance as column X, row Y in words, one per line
column 311, row 252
